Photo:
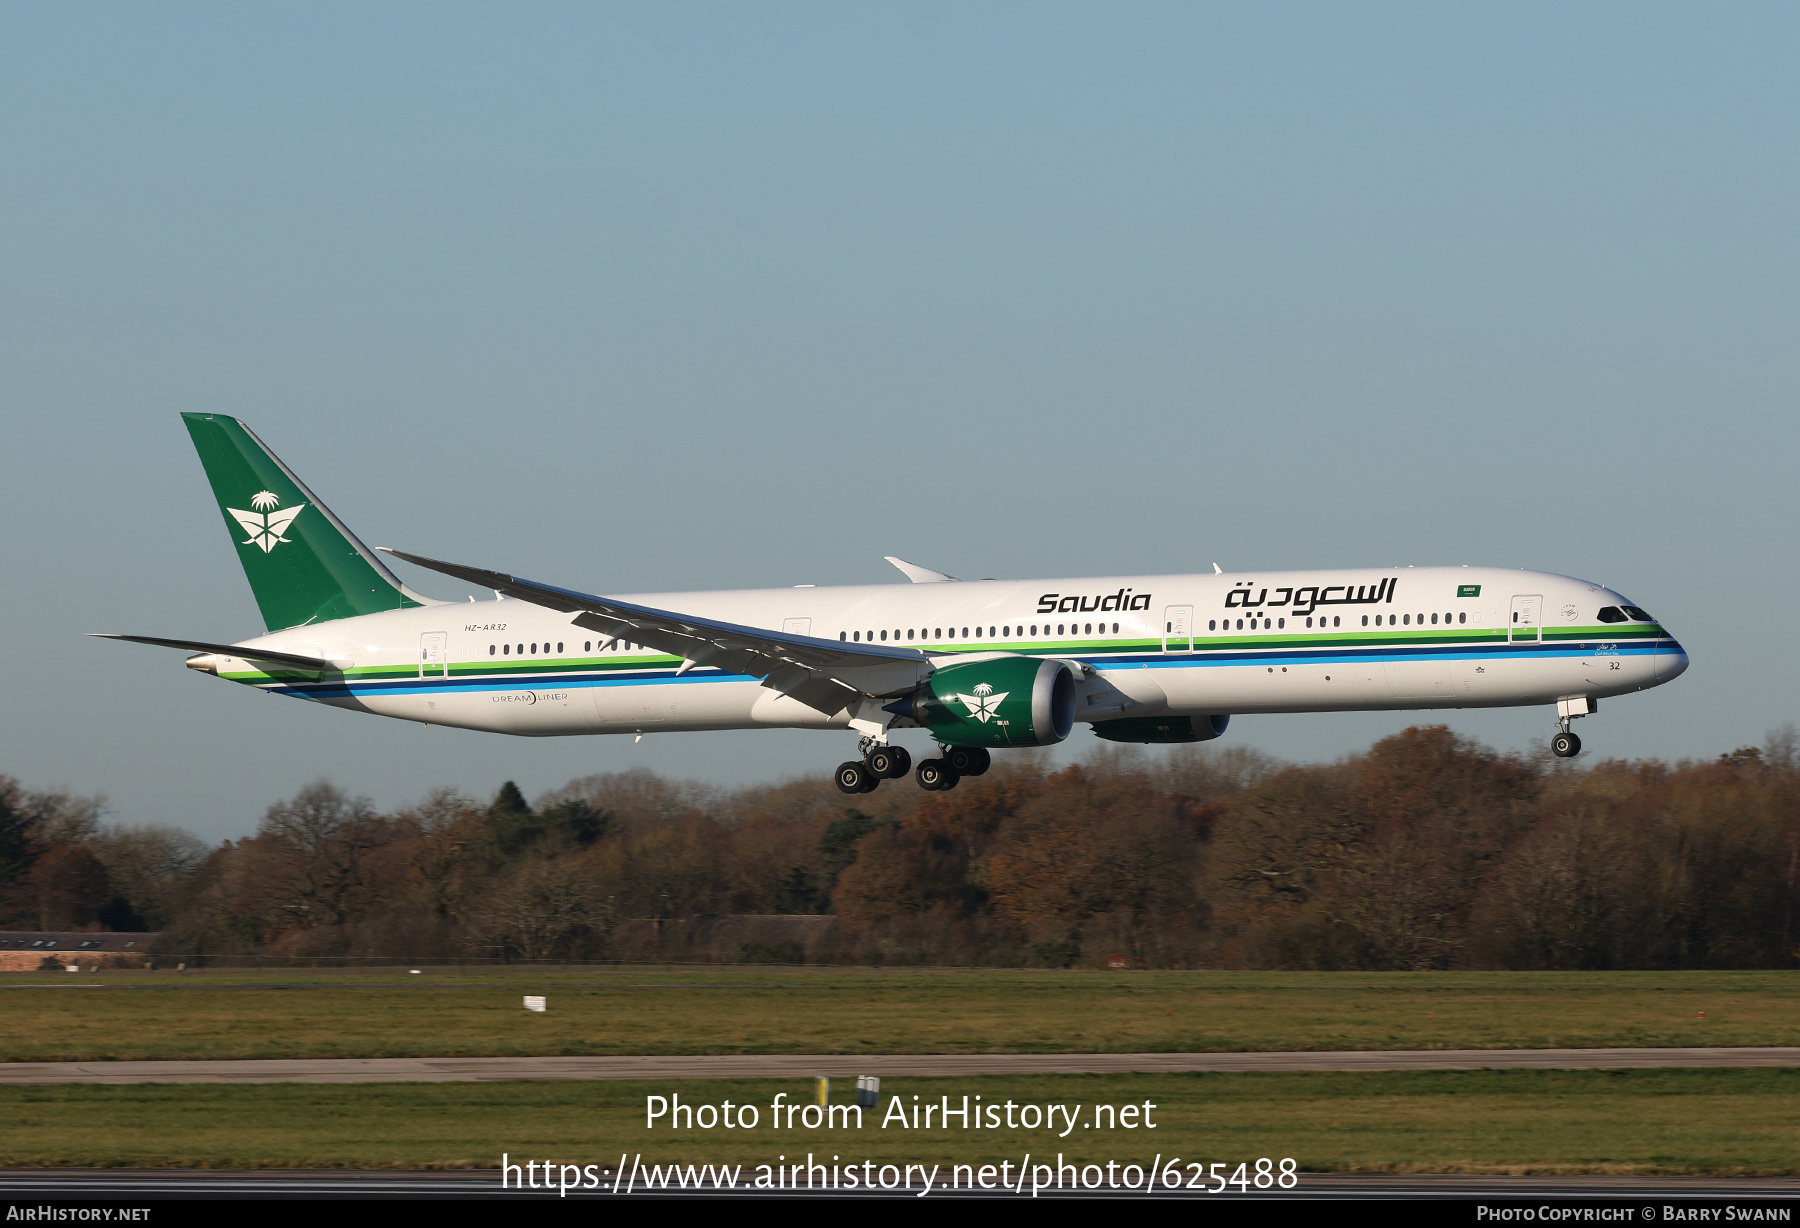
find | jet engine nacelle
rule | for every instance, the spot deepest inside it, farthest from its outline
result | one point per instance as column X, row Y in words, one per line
column 999, row 701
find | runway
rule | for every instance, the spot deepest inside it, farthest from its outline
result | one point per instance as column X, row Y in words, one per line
column 788, row 1066
column 23, row 1185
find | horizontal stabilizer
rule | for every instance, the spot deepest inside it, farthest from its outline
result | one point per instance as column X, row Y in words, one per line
column 260, row 655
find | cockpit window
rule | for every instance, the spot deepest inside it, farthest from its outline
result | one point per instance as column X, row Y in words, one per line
column 1640, row 615
column 1611, row 614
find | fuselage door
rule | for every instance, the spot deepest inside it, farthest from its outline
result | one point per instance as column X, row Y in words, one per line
column 797, row 626
column 434, row 655
column 1526, row 616
column 1178, row 628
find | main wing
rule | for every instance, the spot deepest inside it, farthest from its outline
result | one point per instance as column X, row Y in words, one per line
column 826, row 675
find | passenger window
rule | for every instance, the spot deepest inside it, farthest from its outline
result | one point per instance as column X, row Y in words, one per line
column 1365, row 620
column 1463, row 617
column 884, row 633
column 559, row 645
column 966, row 631
column 909, row 633
column 1059, row 628
column 1240, row 625
column 1434, row 620
column 1212, row 624
column 843, row 635
column 1334, row 621
column 1008, row 630
column 858, row 638
column 1283, row 623
column 490, row 650
column 1034, row 628
column 1087, row 629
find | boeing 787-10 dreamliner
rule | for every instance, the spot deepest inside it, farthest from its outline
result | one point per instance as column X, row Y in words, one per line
column 982, row 665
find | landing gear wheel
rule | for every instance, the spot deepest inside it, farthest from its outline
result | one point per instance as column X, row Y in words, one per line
column 853, row 777
column 968, row 760
column 888, row 762
column 1565, row 745
column 935, row 774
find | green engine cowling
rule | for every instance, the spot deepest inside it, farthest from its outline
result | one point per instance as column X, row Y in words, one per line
column 1001, row 701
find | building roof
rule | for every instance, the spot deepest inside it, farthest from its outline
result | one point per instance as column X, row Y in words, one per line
column 74, row 940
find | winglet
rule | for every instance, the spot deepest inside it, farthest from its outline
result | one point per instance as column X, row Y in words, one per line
column 917, row 574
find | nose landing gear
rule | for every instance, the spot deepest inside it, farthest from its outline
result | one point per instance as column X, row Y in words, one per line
column 1565, row 745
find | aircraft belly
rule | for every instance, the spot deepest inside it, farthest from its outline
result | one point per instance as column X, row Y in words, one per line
column 677, row 706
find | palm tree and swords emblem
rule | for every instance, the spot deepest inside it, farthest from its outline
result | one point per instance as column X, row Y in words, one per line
column 268, row 522
column 984, row 705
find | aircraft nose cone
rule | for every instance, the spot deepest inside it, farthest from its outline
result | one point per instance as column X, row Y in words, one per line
column 1671, row 662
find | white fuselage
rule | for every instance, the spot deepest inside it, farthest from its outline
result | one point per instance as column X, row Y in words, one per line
column 1176, row 645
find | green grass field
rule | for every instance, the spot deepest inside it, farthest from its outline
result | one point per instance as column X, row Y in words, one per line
column 389, row 1013
column 1681, row 1121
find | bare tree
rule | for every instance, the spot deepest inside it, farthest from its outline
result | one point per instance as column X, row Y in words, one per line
column 319, row 845
column 151, row 867
column 548, row 904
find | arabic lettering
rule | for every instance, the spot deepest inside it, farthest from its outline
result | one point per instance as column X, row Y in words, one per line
column 1309, row 598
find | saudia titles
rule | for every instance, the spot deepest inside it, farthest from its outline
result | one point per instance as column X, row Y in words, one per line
column 1056, row 603
column 1303, row 600
column 1306, row 600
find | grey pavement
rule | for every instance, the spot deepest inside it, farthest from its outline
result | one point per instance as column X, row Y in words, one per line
column 783, row 1066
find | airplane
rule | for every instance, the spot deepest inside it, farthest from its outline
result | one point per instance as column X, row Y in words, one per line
column 981, row 665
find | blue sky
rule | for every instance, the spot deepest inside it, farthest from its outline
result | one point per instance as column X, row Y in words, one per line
column 694, row 296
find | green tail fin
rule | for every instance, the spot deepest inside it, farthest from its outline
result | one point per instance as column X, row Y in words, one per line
column 302, row 563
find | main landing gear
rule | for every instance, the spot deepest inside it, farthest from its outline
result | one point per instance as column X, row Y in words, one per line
column 881, row 762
